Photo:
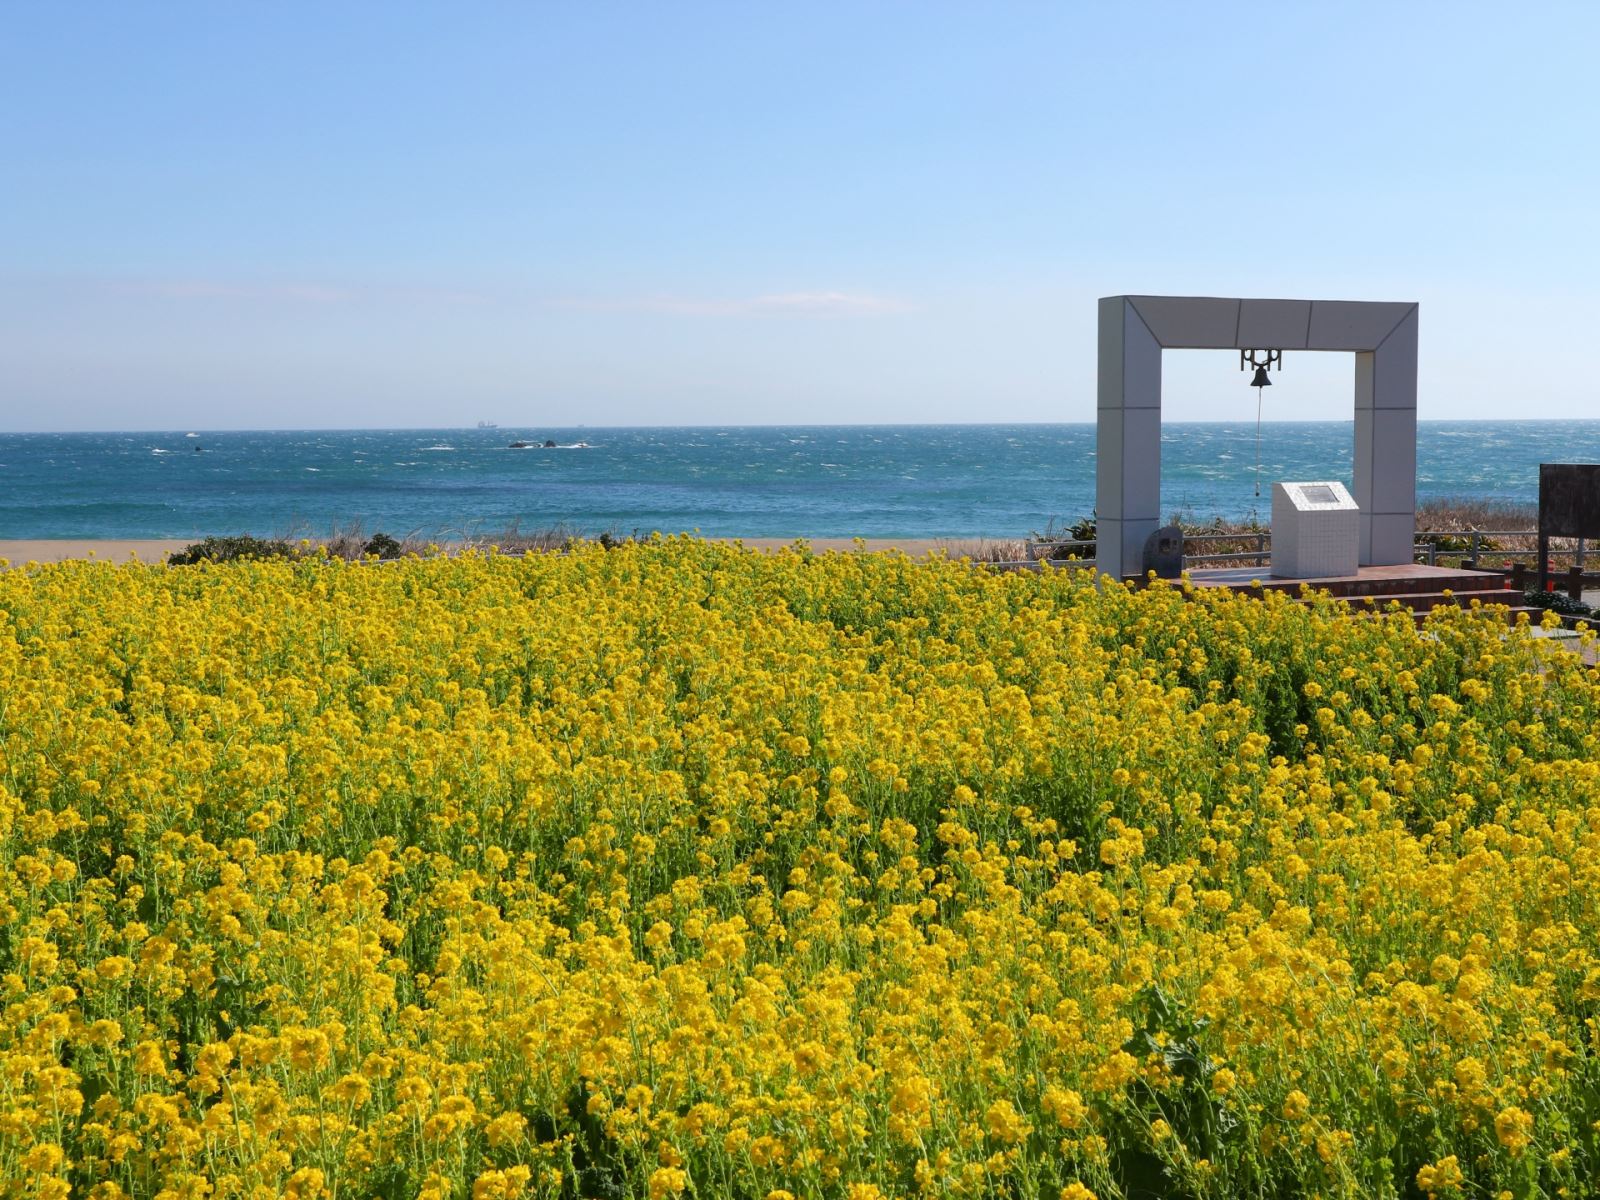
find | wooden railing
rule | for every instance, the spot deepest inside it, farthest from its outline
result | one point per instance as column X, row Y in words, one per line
column 1084, row 549
column 1477, row 540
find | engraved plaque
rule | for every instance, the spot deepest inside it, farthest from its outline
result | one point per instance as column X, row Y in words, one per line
column 1163, row 552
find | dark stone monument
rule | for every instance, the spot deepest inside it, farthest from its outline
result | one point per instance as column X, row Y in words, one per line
column 1163, row 552
column 1569, row 506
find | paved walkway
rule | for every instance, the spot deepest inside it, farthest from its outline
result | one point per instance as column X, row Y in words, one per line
column 1570, row 640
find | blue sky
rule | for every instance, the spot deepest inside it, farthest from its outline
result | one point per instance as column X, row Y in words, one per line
column 231, row 216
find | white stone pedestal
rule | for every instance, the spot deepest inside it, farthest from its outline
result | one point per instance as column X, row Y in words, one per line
column 1316, row 531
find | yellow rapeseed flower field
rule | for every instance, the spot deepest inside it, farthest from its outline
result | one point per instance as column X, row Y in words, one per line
column 679, row 870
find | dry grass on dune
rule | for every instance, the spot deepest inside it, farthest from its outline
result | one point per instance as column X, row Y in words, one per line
column 1450, row 515
column 1503, row 526
column 989, row 550
column 351, row 540
column 1463, row 514
column 515, row 540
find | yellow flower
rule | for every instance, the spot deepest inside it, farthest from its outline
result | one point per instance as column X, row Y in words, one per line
column 1513, row 1126
column 507, row 1184
column 766, row 857
column 351, row 1089
column 305, row 1184
column 505, row 1130
column 307, row 1049
column 1333, row 1145
column 114, row 967
column 910, row 1109
column 1005, row 1123
column 1441, row 1177
column 43, row 1158
column 667, row 1181
column 104, row 1032
column 1065, row 1105
column 149, row 1058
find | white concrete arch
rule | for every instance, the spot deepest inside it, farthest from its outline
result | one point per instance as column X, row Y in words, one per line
column 1135, row 329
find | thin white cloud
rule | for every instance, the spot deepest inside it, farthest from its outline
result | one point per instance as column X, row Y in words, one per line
column 780, row 304
column 827, row 304
column 212, row 289
column 291, row 292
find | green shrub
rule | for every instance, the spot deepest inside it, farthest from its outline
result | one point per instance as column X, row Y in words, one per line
column 383, row 546
column 1082, row 530
column 1558, row 602
column 1458, row 543
column 227, row 549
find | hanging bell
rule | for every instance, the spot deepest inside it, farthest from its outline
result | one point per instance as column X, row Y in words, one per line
column 1260, row 360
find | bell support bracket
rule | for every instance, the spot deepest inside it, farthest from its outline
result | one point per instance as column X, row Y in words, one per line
column 1269, row 360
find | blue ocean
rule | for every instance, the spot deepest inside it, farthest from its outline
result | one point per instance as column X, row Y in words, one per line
column 904, row 481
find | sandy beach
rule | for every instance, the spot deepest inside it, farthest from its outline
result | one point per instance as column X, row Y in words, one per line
column 155, row 550
column 51, row 550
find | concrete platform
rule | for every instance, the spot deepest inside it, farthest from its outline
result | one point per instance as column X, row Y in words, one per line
column 1399, row 579
column 1417, row 587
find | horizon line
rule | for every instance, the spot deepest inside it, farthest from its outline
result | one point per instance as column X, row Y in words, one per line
column 181, row 431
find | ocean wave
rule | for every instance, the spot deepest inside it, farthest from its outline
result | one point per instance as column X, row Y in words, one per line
column 965, row 479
